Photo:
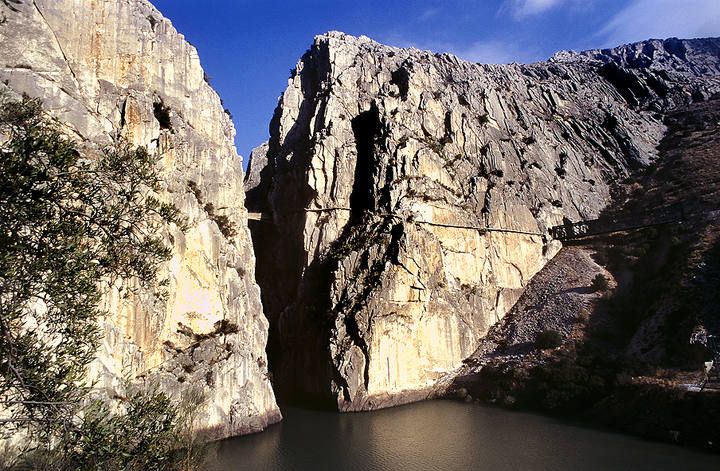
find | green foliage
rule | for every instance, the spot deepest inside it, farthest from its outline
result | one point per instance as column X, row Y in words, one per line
column 548, row 338
column 140, row 438
column 150, row 433
column 70, row 224
column 566, row 385
column 652, row 264
column 600, row 283
column 226, row 226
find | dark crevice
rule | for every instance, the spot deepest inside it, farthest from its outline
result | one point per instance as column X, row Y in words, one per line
column 123, row 110
column 658, row 84
column 627, row 83
column 366, row 128
column 560, row 170
column 487, row 198
column 153, row 22
column 448, row 130
column 401, row 78
column 14, row 2
column 353, row 330
column 676, row 47
column 295, row 296
column 162, row 115
column 298, row 346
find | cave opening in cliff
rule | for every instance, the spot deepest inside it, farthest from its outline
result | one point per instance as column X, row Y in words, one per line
column 162, row 115
column 366, row 128
column 401, row 78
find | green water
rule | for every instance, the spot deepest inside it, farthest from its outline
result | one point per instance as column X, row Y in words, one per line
column 444, row 436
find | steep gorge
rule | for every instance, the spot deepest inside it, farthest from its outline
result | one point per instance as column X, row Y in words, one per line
column 407, row 198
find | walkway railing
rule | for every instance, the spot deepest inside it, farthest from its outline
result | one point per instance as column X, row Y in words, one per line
column 263, row 218
column 608, row 225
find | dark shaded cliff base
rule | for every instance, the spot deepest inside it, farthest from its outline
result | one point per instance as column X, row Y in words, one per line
column 626, row 359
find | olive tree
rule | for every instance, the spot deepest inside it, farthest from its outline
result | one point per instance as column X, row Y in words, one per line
column 72, row 223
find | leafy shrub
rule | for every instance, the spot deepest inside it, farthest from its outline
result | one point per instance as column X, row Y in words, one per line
column 548, row 338
column 151, row 433
column 566, row 385
column 226, row 226
column 600, row 283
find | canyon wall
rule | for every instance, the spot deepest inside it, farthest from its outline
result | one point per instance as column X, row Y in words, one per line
column 118, row 69
column 407, row 197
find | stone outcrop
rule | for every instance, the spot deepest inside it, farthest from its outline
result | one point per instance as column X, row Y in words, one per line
column 411, row 193
column 119, row 69
column 256, row 163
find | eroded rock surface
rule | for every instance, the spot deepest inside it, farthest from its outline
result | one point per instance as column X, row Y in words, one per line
column 411, row 195
column 257, row 162
column 119, row 69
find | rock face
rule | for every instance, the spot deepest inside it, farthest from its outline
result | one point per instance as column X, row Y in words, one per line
column 256, row 163
column 119, row 69
column 411, row 195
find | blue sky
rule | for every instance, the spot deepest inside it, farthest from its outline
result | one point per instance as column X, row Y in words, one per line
column 248, row 47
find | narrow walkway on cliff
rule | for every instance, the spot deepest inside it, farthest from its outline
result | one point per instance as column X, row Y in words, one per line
column 572, row 231
column 262, row 217
column 566, row 232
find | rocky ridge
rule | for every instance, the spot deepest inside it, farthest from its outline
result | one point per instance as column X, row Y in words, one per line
column 411, row 195
column 109, row 70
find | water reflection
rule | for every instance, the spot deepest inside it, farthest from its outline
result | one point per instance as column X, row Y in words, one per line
column 444, row 435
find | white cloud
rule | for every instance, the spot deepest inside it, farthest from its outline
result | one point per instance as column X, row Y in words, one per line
column 429, row 13
column 495, row 52
column 484, row 52
column 524, row 8
column 644, row 19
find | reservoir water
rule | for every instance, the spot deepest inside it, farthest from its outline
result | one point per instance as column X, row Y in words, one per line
column 445, row 436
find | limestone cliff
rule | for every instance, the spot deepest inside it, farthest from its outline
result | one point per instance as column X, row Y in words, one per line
column 115, row 69
column 411, row 194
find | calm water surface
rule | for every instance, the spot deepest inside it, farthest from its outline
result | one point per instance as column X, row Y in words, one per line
column 444, row 436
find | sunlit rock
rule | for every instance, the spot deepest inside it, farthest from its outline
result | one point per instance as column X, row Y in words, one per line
column 119, row 69
column 408, row 195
